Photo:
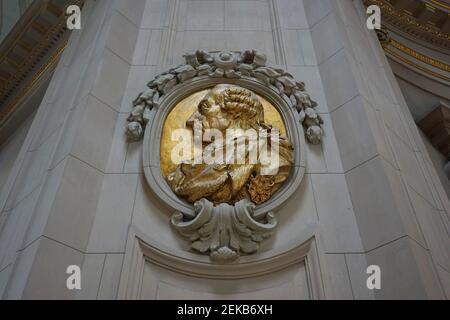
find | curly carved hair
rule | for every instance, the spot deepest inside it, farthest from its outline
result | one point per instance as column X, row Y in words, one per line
column 241, row 105
column 240, row 100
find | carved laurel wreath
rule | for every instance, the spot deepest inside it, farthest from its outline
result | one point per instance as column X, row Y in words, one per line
column 226, row 65
column 224, row 231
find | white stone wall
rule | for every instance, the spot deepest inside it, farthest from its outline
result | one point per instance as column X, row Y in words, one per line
column 399, row 203
column 370, row 193
column 10, row 149
column 54, row 192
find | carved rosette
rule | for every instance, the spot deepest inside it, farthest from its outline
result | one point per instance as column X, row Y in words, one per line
column 251, row 64
column 224, row 232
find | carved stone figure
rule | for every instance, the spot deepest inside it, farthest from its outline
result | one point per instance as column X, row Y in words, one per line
column 223, row 108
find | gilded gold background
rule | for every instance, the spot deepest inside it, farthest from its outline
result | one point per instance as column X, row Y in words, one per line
column 184, row 109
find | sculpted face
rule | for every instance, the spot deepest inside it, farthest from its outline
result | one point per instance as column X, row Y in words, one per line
column 211, row 110
column 227, row 106
column 230, row 107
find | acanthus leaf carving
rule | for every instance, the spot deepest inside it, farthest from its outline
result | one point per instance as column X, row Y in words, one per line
column 225, row 231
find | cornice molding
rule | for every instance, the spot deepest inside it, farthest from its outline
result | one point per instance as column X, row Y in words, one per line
column 436, row 126
column 416, row 66
column 31, row 48
column 421, row 57
column 408, row 24
column 439, row 4
column 413, row 59
column 7, row 110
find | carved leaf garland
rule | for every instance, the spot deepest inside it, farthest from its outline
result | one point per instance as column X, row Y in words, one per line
column 250, row 63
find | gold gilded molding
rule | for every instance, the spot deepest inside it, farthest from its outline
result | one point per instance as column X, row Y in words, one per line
column 30, row 50
column 9, row 109
column 415, row 65
column 410, row 25
column 389, row 44
column 436, row 3
column 419, row 56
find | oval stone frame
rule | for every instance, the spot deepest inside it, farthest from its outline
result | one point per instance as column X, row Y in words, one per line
column 204, row 70
column 153, row 133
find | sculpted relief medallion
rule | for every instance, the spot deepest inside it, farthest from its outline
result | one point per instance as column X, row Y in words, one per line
column 228, row 167
column 223, row 136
